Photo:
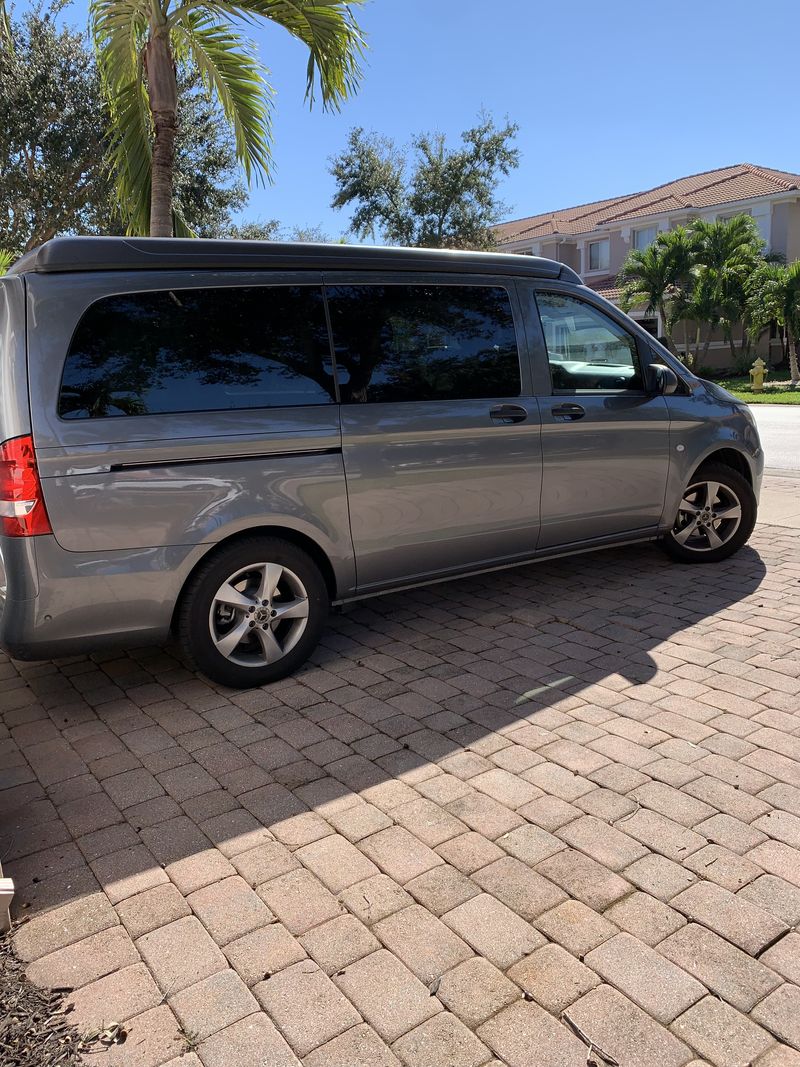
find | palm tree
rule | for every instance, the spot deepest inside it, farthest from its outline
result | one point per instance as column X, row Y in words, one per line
column 140, row 42
column 773, row 295
column 791, row 318
column 725, row 254
column 654, row 277
column 765, row 302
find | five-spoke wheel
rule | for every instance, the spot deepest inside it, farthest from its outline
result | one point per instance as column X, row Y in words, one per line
column 708, row 515
column 715, row 516
column 259, row 614
column 253, row 612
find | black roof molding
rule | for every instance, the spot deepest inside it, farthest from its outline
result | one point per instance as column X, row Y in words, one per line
column 71, row 254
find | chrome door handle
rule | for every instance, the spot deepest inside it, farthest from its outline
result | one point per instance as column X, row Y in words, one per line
column 568, row 412
column 507, row 413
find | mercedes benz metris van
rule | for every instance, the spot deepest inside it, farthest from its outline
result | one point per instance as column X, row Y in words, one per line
column 222, row 438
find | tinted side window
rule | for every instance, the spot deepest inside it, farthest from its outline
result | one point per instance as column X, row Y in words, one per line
column 423, row 342
column 588, row 351
column 198, row 350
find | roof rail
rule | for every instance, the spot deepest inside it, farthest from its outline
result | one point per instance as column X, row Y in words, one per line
column 71, row 254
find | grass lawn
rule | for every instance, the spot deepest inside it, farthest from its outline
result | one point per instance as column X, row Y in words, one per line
column 774, row 393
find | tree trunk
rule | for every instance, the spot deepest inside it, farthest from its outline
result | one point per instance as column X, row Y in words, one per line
column 732, row 346
column 707, row 345
column 162, row 91
column 794, row 358
column 686, row 356
column 662, row 311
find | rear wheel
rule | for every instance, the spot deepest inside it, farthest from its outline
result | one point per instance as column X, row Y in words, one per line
column 253, row 612
column 715, row 517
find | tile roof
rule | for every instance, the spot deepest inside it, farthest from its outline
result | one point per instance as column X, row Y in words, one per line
column 607, row 287
column 712, row 187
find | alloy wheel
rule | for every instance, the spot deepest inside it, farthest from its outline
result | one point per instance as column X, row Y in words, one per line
column 708, row 516
column 258, row 614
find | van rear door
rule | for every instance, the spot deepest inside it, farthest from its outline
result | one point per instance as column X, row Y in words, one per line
column 18, row 577
column 14, row 410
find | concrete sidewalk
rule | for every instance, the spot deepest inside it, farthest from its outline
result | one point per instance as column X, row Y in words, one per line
column 780, row 499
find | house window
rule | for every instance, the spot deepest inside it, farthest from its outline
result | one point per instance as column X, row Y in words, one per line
column 598, row 255
column 644, row 238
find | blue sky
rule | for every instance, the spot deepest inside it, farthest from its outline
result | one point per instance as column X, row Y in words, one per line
column 610, row 98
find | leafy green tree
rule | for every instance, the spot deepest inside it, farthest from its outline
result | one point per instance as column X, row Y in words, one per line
column 52, row 178
column 138, row 45
column 429, row 195
column 54, row 169
column 655, row 277
column 250, row 231
column 271, row 230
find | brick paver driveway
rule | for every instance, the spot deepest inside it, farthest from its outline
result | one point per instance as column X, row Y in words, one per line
column 496, row 820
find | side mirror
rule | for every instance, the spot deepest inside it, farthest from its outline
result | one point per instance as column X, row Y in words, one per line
column 666, row 380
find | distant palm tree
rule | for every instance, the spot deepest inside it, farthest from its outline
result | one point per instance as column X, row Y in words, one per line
column 765, row 302
column 698, row 276
column 791, row 317
column 725, row 253
column 139, row 43
column 773, row 295
column 654, row 277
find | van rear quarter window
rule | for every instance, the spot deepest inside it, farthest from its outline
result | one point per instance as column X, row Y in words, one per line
column 206, row 349
column 398, row 342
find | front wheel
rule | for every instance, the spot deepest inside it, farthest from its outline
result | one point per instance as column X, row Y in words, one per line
column 715, row 517
column 253, row 612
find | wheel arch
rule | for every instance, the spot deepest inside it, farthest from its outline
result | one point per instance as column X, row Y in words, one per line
column 728, row 457
column 286, row 533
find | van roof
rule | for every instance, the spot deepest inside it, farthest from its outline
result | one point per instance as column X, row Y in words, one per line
column 70, row 254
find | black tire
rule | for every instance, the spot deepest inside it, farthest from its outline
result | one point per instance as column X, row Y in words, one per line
column 700, row 544
column 203, row 624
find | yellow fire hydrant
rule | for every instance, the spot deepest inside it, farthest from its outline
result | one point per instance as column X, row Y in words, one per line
column 757, row 374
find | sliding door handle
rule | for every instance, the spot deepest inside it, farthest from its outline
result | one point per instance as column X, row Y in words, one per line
column 507, row 413
column 568, row 412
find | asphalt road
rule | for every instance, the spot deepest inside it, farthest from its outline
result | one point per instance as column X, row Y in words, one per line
column 779, row 429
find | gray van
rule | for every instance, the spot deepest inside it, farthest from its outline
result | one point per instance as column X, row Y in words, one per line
column 221, row 439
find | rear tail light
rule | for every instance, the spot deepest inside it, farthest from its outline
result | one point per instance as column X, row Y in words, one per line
column 22, row 510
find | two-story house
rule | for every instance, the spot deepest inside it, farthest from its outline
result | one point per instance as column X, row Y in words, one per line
column 595, row 238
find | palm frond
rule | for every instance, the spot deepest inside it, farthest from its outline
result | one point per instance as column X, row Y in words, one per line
column 233, row 74
column 119, row 29
column 6, row 35
column 791, row 302
column 180, row 227
column 329, row 30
